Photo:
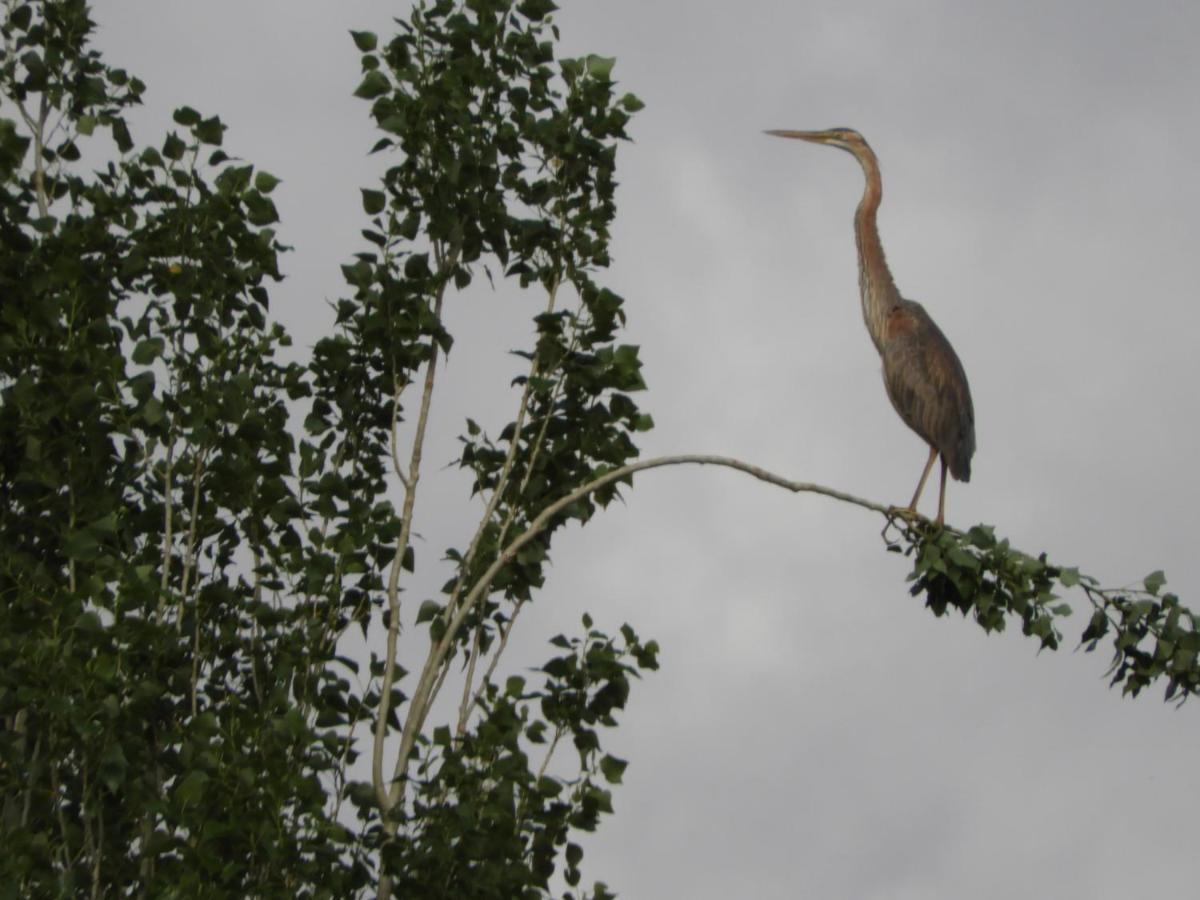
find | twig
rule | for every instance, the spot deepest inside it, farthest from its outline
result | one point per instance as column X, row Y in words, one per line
column 464, row 706
column 398, row 390
column 168, row 527
column 505, row 631
column 558, row 733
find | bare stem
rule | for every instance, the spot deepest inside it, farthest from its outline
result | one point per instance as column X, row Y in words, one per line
column 558, row 733
column 464, row 706
column 404, row 479
column 340, row 772
column 189, row 564
column 382, row 794
column 189, row 559
column 505, row 631
column 37, row 128
column 32, row 769
column 168, row 528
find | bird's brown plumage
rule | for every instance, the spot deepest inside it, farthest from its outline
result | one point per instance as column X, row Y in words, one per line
column 927, row 386
column 922, row 374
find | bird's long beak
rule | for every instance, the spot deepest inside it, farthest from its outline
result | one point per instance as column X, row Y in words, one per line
column 817, row 137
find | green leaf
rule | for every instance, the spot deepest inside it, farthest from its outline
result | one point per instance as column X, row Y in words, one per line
column 152, row 411
column 13, row 146
column 113, row 766
column 259, row 209
column 612, row 768
column 632, row 104
column 536, row 10
column 191, row 787
column 373, row 85
column 428, row 610
column 600, row 67
column 210, row 131
column 186, row 116
column 148, row 350
column 265, row 182
column 417, row 266
column 366, row 41
column 173, row 148
column 120, row 133
column 1154, row 581
column 1068, row 577
column 85, row 125
column 89, row 623
column 81, row 545
column 21, row 17
column 373, row 201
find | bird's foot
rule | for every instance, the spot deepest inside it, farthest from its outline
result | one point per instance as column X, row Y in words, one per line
column 906, row 514
column 910, row 521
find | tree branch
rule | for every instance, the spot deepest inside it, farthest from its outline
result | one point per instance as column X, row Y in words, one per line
column 419, row 705
column 446, row 264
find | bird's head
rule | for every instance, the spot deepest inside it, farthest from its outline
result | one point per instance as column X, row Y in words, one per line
column 846, row 138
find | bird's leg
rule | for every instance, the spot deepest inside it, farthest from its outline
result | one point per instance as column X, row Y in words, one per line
column 941, row 519
column 911, row 510
column 924, row 475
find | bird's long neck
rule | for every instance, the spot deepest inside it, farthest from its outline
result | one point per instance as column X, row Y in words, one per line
column 879, row 293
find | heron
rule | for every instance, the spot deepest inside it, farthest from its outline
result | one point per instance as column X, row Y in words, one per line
column 921, row 372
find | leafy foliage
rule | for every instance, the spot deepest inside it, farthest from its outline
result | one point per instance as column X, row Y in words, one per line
column 178, row 570
column 148, row 520
column 192, row 531
column 980, row 575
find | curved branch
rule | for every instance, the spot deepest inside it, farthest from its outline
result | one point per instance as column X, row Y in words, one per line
column 420, row 700
column 543, row 519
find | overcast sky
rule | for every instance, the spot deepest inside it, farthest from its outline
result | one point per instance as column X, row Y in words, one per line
column 814, row 732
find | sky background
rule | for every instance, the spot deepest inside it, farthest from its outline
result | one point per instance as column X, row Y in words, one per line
column 814, row 732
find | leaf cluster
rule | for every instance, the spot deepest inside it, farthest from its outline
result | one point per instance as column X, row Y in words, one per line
column 1153, row 636
column 504, row 166
column 489, row 819
column 156, row 678
column 180, row 564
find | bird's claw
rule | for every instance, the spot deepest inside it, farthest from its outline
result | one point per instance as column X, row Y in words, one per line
column 912, row 521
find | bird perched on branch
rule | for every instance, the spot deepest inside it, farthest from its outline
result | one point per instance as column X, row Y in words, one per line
column 924, row 379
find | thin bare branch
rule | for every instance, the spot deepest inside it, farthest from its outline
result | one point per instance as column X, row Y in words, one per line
column 189, row 558
column 505, row 631
column 168, row 528
column 464, row 705
column 558, row 733
column 37, row 128
column 399, row 470
column 446, row 265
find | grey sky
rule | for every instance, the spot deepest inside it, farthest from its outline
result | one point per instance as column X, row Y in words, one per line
column 814, row 732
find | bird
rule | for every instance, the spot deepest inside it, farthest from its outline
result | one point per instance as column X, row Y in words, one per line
column 922, row 374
